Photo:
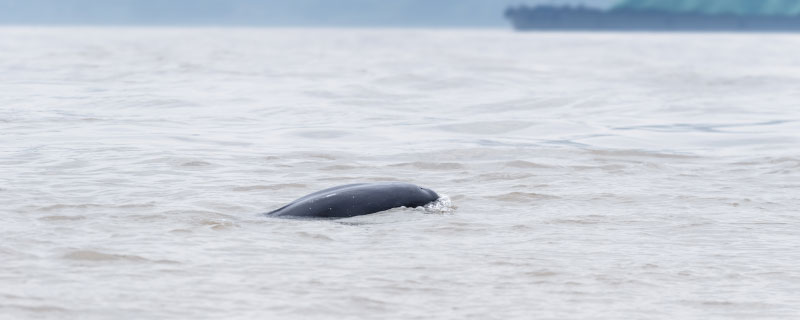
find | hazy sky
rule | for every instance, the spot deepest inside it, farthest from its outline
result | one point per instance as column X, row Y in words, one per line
column 267, row 12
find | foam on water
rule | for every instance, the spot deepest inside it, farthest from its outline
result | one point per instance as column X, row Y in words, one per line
column 443, row 205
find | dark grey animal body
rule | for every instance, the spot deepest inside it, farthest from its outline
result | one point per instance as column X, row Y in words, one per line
column 357, row 199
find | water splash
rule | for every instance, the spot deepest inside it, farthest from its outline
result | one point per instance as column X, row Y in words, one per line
column 443, row 205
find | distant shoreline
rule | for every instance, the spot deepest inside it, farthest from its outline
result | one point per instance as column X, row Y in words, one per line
column 566, row 18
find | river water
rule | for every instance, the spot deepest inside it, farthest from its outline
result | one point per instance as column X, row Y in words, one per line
column 589, row 175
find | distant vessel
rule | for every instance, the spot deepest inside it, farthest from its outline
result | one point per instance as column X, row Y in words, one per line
column 673, row 15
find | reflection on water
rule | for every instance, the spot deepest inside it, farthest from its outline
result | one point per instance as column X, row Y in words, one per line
column 588, row 175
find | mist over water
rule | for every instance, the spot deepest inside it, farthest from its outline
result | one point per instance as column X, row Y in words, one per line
column 589, row 175
column 476, row 13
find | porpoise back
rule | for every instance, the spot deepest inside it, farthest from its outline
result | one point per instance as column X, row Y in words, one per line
column 357, row 199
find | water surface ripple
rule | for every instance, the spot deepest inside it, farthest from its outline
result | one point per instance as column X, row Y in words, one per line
column 593, row 176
